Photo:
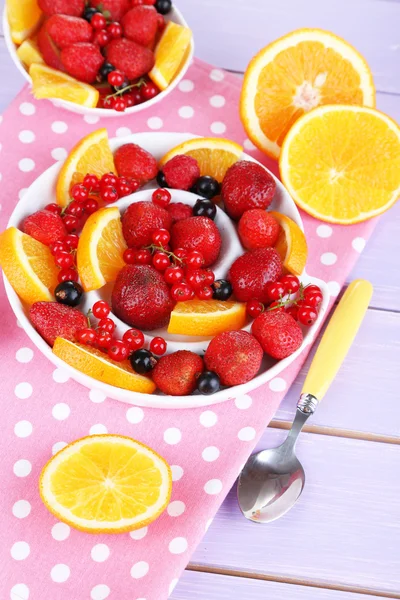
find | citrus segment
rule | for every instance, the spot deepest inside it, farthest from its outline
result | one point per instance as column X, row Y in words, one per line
column 294, row 74
column 206, row 317
column 94, row 363
column 93, row 155
column 51, row 83
column 291, row 244
column 341, row 164
column 106, row 484
column 28, row 265
column 23, row 17
column 100, row 249
column 170, row 53
column 28, row 53
column 214, row 155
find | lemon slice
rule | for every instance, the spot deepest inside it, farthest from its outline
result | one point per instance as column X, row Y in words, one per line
column 291, row 244
column 106, row 484
column 23, row 17
column 51, row 83
column 206, row 317
column 29, row 53
column 170, row 54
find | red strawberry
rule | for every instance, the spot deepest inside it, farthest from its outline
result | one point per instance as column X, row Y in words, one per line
column 82, row 61
column 65, row 30
column 129, row 57
column 198, row 233
column 179, row 211
column 246, row 185
column 251, row 273
column 176, row 374
column 133, row 161
column 115, row 8
column 278, row 333
column 140, row 220
column 235, row 356
column 74, row 8
column 258, row 229
column 52, row 320
column 48, row 49
column 181, row 172
column 141, row 297
column 44, row 226
column 141, row 25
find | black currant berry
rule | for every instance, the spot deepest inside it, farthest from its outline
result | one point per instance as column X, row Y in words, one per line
column 205, row 208
column 69, row 293
column 207, row 186
column 89, row 12
column 142, row 361
column 163, row 6
column 162, row 182
column 208, row 383
column 105, row 70
column 222, row 289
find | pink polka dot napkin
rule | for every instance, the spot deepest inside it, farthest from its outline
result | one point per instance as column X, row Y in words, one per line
column 42, row 409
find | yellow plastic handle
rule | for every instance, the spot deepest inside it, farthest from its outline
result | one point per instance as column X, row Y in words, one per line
column 338, row 338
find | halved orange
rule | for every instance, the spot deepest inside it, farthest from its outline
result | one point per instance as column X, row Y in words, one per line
column 23, row 17
column 294, row 74
column 28, row 265
column 170, row 54
column 93, row 155
column 51, row 83
column 341, row 164
column 291, row 244
column 100, row 250
column 29, row 53
column 106, row 484
column 214, row 155
column 206, row 317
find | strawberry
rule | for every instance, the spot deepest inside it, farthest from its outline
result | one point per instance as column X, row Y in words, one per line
column 176, row 374
column 52, row 320
column 235, row 356
column 115, row 8
column 48, row 49
column 44, row 226
column 74, row 8
column 258, row 229
column 141, row 25
column 82, row 61
column 133, row 161
column 65, row 30
column 179, row 211
column 198, row 233
column 129, row 57
column 278, row 333
column 141, row 297
column 140, row 220
column 181, row 172
column 246, row 185
column 251, row 273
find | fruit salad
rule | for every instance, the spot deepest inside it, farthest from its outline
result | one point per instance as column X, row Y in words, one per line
column 114, row 55
column 162, row 268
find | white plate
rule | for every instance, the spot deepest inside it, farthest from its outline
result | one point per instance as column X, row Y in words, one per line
column 42, row 192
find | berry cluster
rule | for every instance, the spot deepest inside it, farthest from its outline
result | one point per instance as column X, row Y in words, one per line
column 121, row 93
column 109, row 189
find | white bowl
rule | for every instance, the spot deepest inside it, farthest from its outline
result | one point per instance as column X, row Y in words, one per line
column 42, row 192
column 174, row 15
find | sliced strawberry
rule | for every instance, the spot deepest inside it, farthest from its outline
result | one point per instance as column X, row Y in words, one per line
column 53, row 320
column 49, row 50
column 45, row 226
column 65, row 30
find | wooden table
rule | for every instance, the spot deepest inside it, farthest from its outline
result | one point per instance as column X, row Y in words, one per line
column 342, row 540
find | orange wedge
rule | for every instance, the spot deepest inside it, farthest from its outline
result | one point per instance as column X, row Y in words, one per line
column 170, row 53
column 28, row 53
column 51, row 83
column 206, row 317
column 91, row 155
column 291, row 244
column 100, row 249
column 28, row 265
column 341, row 164
column 23, row 17
column 294, row 74
column 106, row 484
column 214, row 155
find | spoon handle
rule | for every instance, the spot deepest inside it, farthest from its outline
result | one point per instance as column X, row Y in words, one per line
column 338, row 338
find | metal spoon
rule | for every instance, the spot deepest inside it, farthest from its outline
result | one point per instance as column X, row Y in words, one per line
column 272, row 480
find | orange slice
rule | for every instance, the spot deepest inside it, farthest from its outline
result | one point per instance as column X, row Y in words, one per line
column 91, row 155
column 293, row 75
column 214, row 155
column 23, row 17
column 291, row 244
column 341, row 164
column 206, row 317
column 28, row 265
column 51, row 83
column 106, row 484
column 170, row 53
column 28, row 53
column 100, row 249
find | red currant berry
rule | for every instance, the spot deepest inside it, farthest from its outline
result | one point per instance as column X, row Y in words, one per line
column 181, row 254
column 291, row 283
column 134, row 338
column 307, row 315
column 275, row 290
column 106, row 102
column 161, row 22
column 143, row 257
column 91, row 206
column 72, row 240
column 101, row 38
column 194, row 278
column 313, row 298
column 134, row 183
column 205, row 293
column 98, row 21
column 53, row 208
column 129, row 256
column 136, row 96
column 276, row 306
column 181, row 292
column 194, row 259
column 158, row 346
column 174, row 274
column 56, row 247
column 101, row 309
column 79, row 192
column 63, row 259
column 161, row 261
column 116, row 78
column 129, row 100
column 109, row 179
column 109, row 194
column 71, row 223
column 87, row 336
column 148, row 91
column 292, row 310
column 254, row 308
column 119, row 104
column 75, row 208
column 137, row 2
column 123, row 187
column 161, row 237
column 104, row 339
column 91, row 183
column 311, row 288
column 118, row 351
column 149, row 2
column 107, row 324
column 114, row 30
column 208, row 276
column 67, row 275
column 161, row 197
